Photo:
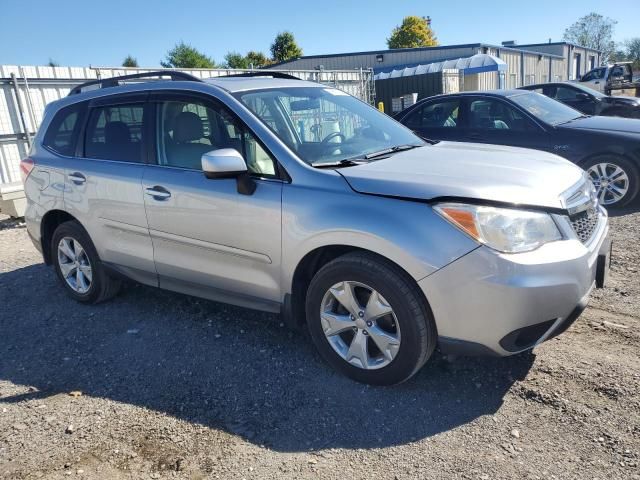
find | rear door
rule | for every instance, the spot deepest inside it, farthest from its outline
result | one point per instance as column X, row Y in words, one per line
column 209, row 240
column 103, row 183
column 439, row 119
column 493, row 120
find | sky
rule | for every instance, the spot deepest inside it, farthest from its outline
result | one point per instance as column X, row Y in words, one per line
column 98, row 33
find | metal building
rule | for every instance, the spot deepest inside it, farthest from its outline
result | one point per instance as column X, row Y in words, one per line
column 523, row 65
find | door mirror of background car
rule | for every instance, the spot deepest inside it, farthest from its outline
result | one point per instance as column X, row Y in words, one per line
column 228, row 163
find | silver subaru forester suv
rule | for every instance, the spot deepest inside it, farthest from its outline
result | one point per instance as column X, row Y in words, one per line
column 288, row 196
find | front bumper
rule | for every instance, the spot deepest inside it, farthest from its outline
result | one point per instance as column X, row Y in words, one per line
column 500, row 304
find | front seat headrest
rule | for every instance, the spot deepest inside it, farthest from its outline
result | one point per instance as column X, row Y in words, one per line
column 187, row 126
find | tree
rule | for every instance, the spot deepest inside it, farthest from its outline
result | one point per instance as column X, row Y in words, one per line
column 257, row 59
column 413, row 32
column 632, row 51
column 186, row 56
column 235, row 60
column 53, row 63
column 593, row 31
column 130, row 62
column 284, row 47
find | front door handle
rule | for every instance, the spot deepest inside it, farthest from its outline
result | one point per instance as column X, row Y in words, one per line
column 77, row 178
column 158, row 192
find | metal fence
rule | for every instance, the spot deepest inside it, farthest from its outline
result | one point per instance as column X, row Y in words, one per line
column 25, row 91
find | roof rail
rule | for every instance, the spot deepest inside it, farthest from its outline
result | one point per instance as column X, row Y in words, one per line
column 262, row 73
column 115, row 81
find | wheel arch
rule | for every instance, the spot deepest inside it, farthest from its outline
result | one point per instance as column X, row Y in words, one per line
column 50, row 221
column 310, row 264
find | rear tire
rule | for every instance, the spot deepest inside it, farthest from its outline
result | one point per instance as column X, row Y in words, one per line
column 603, row 169
column 378, row 286
column 78, row 266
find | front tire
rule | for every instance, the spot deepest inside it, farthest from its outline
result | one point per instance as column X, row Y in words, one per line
column 78, row 266
column 616, row 179
column 369, row 320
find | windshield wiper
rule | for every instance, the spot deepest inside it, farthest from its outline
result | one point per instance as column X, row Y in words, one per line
column 576, row 118
column 340, row 163
column 387, row 151
column 350, row 162
column 430, row 141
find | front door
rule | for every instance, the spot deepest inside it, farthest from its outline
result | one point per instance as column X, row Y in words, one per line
column 492, row 120
column 575, row 98
column 209, row 240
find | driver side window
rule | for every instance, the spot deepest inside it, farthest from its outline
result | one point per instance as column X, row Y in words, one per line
column 493, row 114
column 189, row 129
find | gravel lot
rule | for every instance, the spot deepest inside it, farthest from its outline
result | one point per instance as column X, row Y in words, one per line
column 160, row 385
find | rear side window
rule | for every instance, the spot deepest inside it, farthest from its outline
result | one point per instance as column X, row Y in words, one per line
column 435, row 115
column 115, row 133
column 62, row 134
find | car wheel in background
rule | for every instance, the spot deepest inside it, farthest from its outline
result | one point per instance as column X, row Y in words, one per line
column 369, row 320
column 78, row 265
column 615, row 178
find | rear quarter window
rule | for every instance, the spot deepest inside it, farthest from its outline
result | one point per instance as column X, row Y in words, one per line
column 62, row 134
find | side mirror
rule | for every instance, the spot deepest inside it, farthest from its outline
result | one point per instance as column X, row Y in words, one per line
column 223, row 163
column 228, row 163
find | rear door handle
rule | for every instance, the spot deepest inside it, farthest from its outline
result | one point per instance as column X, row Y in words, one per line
column 77, row 178
column 158, row 192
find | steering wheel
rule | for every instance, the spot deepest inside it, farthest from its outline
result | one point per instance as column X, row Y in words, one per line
column 326, row 139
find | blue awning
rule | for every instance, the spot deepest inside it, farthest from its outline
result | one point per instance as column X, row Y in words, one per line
column 478, row 63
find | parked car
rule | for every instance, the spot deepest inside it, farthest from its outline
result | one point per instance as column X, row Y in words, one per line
column 608, row 77
column 588, row 101
column 289, row 196
column 607, row 148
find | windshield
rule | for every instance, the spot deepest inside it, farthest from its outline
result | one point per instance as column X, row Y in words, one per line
column 546, row 109
column 326, row 125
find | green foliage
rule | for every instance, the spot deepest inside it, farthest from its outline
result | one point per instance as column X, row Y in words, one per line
column 235, row 60
column 632, row 50
column 593, row 31
column 413, row 32
column 257, row 59
column 186, row 56
column 284, row 47
column 130, row 61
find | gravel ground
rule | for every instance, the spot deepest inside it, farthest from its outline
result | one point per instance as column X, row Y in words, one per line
column 159, row 385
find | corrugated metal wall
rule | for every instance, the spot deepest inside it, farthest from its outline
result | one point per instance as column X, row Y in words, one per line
column 39, row 85
column 424, row 85
column 390, row 58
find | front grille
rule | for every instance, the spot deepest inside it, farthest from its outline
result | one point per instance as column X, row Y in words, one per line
column 585, row 223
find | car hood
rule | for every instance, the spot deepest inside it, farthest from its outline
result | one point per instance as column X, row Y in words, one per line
column 608, row 124
column 469, row 171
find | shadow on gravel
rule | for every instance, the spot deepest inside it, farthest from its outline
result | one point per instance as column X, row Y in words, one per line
column 226, row 368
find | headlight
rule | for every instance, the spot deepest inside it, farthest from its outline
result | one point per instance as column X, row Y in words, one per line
column 504, row 229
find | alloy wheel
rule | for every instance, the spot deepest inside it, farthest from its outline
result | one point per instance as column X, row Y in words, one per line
column 360, row 325
column 611, row 182
column 74, row 265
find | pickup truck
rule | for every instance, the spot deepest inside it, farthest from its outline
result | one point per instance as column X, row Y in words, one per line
column 611, row 77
